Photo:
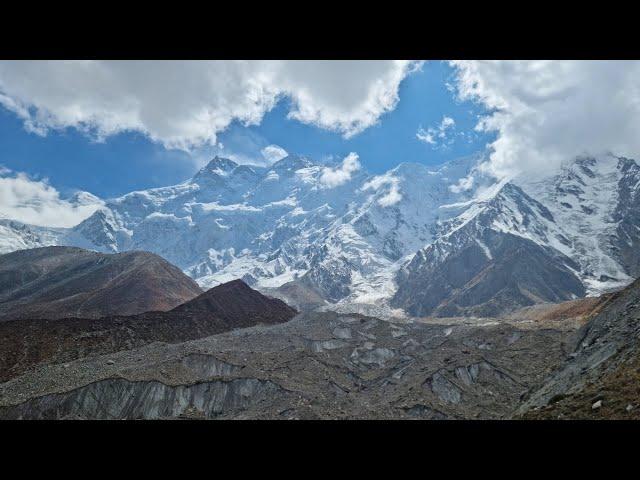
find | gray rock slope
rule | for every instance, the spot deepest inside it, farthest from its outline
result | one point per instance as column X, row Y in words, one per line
column 603, row 365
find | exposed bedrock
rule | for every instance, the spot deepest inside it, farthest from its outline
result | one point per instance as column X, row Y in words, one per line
column 118, row 398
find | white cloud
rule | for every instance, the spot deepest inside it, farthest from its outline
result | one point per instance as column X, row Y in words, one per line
column 392, row 195
column 547, row 112
column 334, row 177
column 184, row 104
column 273, row 153
column 344, row 96
column 38, row 203
column 463, row 184
column 425, row 136
column 437, row 135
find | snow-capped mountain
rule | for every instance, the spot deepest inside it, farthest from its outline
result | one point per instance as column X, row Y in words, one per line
column 274, row 225
column 575, row 233
column 429, row 241
column 15, row 235
column 595, row 203
column 494, row 257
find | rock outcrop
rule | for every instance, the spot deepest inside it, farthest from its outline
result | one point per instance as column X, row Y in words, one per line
column 603, row 366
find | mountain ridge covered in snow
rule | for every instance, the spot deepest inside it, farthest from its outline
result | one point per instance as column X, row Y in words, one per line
column 350, row 238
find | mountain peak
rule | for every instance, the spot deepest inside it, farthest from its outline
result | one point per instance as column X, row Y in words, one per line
column 85, row 198
column 412, row 168
column 233, row 285
column 219, row 166
column 235, row 301
column 291, row 163
column 510, row 189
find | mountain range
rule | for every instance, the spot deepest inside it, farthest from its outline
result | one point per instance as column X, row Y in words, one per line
column 232, row 352
column 415, row 241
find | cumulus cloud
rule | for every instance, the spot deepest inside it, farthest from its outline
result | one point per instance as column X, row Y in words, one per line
column 334, row 177
column 344, row 96
column 273, row 153
column 38, row 203
column 392, row 195
column 185, row 104
column 547, row 112
column 437, row 135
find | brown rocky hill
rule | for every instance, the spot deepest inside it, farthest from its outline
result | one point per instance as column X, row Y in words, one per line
column 28, row 342
column 62, row 282
column 236, row 305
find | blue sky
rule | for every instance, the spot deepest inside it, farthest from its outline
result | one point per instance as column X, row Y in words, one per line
column 129, row 161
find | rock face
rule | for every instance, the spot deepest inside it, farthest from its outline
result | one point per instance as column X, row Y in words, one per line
column 603, row 367
column 25, row 342
column 121, row 399
column 61, row 282
column 626, row 242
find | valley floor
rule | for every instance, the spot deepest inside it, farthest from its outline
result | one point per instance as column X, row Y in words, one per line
column 318, row 365
column 576, row 359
